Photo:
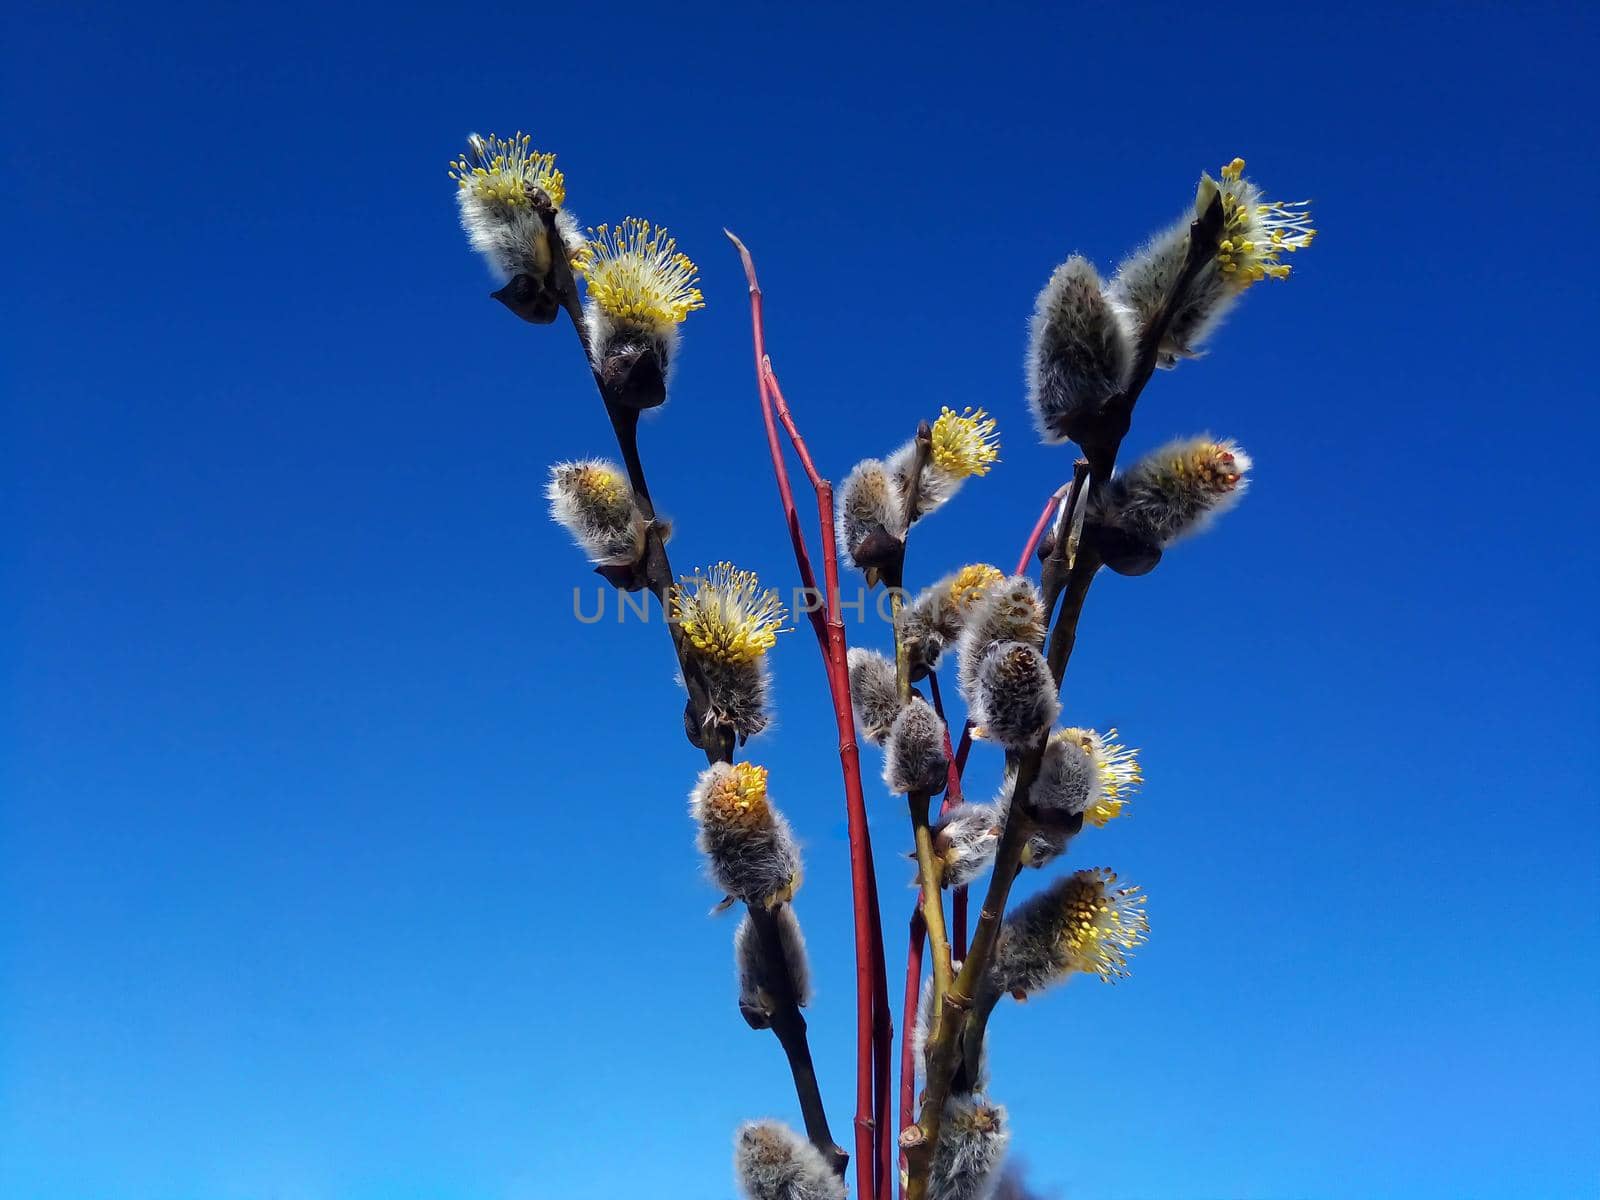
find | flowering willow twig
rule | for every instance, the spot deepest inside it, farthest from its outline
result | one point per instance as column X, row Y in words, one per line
column 871, row 1125
column 785, row 1019
column 1072, row 574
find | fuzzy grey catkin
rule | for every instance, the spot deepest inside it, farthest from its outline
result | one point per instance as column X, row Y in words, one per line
column 1087, row 922
column 1014, row 700
column 914, row 758
column 1080, row 350
column 592, row 500
column 972, row 1143
column 1146, row 276
column 773, row 1162
column 749, row 848
column 498, row 220
column 756, row 980
column 934, row 488
column 1174, row 491
column 966, row 841
column 874, row 693
column 738, row 695
column 1009, row 611
column 870, row 522
column 935, row 618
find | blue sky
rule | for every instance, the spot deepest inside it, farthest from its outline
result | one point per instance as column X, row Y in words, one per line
column 337, row 861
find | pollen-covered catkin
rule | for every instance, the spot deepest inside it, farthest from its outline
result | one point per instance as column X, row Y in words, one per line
column 914, row 758
column 1086, row 922
column 495, row 190
column 1255, row 236
column 750, row 851
column 961, row 445
column 773, row 1162
column 1080, row 350
column 1010, row 610
column 870, row 523
column 756, row 978
column 593, row 502
column 966, row 841
column 640, row 288
column 874, row 693
column 729, row 622
column 1175, row 491
column 972, row 1143
column 1014, row 701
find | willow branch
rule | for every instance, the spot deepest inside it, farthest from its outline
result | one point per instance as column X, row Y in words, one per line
column 873, row 1030
column 1072, row 575
column 786, row 1021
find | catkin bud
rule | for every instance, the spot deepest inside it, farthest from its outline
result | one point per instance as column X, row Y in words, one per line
column 1080, row 350
column 1008, row 611
column 640, row 287
column 1084, row 778
column 871, row 524
column 914, row 758
column 756, row 977
column 935, row 618
column 1015, row 700
column 592, row 501
column 750, row 851
column 1085, row 922
column 972, row 1142
column 729, row 622
column 1170, row 493
column 773, row 1162
column 874, row 693
column 966, row 841
column 1254, row 236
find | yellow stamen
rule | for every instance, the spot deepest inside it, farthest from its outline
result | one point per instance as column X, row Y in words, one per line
column 635, row 272
column 504, row 170
column 965, row 444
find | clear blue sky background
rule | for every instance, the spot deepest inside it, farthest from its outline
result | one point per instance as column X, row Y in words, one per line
column 338, row 861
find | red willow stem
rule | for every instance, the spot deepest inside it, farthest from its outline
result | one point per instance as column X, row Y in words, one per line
column 873, row 1031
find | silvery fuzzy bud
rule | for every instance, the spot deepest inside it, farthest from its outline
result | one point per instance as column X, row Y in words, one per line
column 1169, row 494
column 1080, row 351
column 966, row 841
column 870, row 523
column 1144, row 279
column 1009, row 611
column 972, row 1143
column 874, row 693
column 773, row 1162
column 1015, row 700
column 593, row 501
column 737, row 695
column 756, row 981
column 915, row 759
column 750, row 851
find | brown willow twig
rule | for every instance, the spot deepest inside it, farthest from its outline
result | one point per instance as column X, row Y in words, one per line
column 786, row 1021
column 1073, row 575
column 873, row 1033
